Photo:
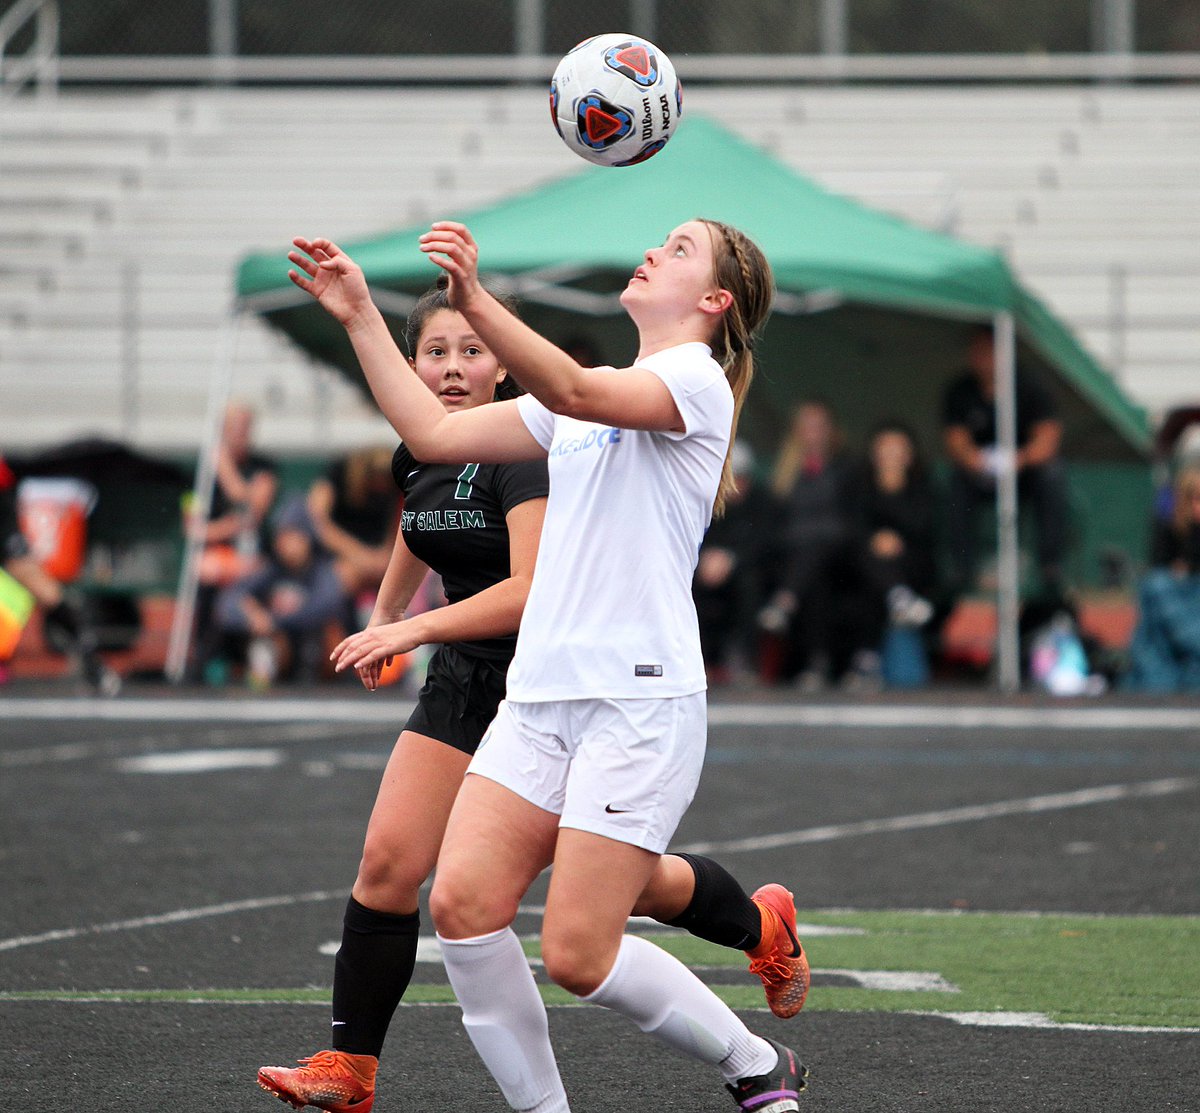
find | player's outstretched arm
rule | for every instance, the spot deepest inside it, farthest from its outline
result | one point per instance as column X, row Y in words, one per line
column 336, row 281
column 633, row 398
column 486, row 434
column 542, row 368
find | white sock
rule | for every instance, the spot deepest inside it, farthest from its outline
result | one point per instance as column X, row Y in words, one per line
column 505, row 1018
column 663, row 997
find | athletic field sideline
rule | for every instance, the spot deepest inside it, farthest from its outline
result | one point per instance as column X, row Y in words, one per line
column 1001, row 902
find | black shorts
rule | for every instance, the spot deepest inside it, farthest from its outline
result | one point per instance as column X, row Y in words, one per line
column 12, row 540
column 459, row 699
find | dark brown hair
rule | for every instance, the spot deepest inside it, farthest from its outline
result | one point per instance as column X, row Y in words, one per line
column 437, row 298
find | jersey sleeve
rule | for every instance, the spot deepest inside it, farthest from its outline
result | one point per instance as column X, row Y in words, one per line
column 699, row 390
column 538, row 420
column 520, row 482
column 402, row 464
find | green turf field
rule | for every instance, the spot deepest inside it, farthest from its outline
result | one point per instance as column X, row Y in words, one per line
column 1104, row 970
column 1074, row 969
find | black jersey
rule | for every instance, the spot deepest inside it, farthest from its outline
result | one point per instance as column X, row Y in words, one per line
column 454, row 520
column 964, row 404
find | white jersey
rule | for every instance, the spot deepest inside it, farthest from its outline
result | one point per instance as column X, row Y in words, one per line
column 610, row 612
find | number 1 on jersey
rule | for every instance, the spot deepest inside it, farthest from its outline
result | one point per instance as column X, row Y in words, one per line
column 463, row 490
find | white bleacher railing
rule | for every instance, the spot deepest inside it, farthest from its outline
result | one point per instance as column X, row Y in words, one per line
column 439, row 69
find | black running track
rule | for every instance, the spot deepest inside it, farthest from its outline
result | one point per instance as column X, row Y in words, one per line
column 130, row 860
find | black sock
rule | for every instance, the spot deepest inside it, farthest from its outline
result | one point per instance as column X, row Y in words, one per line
column 370, row 974
column 720, row 910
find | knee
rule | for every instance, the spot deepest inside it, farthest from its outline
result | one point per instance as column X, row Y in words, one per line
column 387, row 878
column 576, row 963
column 463, row 907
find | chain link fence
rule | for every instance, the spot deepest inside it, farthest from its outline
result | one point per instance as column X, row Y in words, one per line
column 481, row 27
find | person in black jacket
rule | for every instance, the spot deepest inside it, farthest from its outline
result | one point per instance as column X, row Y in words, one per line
column 970, row 441
column 891, row 545
column 810, row 479
column 352, row 509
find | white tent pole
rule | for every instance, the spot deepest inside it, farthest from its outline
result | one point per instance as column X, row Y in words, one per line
column 220, row 383
column 1008, row 650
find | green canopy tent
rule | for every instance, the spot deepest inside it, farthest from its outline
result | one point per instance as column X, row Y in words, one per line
column 872, row 312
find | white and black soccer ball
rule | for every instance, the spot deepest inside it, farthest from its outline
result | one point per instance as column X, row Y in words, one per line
column 615, row 99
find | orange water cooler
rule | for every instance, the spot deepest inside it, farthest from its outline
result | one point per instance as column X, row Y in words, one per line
column 53, row 515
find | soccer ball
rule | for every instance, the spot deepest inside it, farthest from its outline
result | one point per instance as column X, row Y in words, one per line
column 615, row 99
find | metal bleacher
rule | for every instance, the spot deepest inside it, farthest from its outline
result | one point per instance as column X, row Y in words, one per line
column 126, row 216
column 1093, row 193
column 123, row 216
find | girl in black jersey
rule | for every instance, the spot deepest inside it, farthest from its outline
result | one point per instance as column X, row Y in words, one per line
column 478, row 527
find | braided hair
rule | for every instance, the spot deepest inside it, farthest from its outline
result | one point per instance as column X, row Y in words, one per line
column 740, row 267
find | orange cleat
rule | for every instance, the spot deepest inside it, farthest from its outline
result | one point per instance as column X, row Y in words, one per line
column 779, row 960
column 331, row 1080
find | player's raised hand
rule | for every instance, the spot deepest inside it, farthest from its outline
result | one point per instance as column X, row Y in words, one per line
column 452, row 247
column 331, row 276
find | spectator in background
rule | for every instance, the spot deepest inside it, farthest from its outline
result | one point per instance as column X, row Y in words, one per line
column 810, row 479
column 352, row 510
column 1164, row 655
column 244, row 491
column 65, row 621
column 969, row 436
column 891, row 548
column 280, row 613
column 234, row 537
column 730, row 582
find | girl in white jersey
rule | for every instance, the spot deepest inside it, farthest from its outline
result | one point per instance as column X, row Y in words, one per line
column 596, row 752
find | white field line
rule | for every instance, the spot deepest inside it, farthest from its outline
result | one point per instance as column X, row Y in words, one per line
column 1041, row 1020
column 393, row 711
column 976, row 1020
column 390, row 710
column 806, row 930
column 182, row 915
column 888, row 981
column 201, row 761
column 896, row 981
column 232, row 738
column 920, row 820
column 891, row 716
column 971, row 813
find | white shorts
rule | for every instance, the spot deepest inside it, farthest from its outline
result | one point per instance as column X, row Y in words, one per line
column 626, row 769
